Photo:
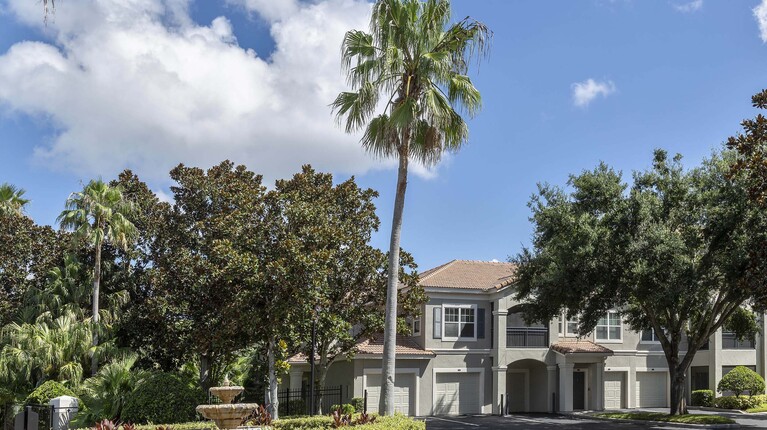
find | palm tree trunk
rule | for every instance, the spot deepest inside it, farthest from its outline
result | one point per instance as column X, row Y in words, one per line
column 386, row 406
column 95, row 300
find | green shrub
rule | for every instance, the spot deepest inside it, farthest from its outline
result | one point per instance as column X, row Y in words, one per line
column 733, row 402
column 740, row 380
column 395, row 422
column 346, row 409
column 703, row 398
column 358, row 403
column 162, row 398
column 47, row 391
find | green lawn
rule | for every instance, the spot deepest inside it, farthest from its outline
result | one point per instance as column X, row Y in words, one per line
column 760, row 408
column 657, row 416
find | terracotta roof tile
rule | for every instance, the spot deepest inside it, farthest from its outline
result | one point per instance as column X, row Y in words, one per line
column 579, row 346
column 406, row 345
column 479, row 275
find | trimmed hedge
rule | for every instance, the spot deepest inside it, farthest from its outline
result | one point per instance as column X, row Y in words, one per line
column 742, row 403
column 741, row 380
column 47, row 391
column 395, row 422
column 162, row 398
column 702, row 398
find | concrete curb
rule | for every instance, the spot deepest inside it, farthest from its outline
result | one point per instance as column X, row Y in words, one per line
column 681, row 425
column 711, row 409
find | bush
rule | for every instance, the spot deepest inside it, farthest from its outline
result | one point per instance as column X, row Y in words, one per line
column 703, row 398
column 162, row 398
column 733, row 402
column 47, row 391
column 358, row 403
column 395, row 422
column 740, row 380
column 346, row 409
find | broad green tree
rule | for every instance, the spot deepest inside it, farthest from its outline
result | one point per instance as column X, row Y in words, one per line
column 414, row 63
column 199, row 288
column 98, row 215
column 670, row 251
column 27, row 253
column 11, row 200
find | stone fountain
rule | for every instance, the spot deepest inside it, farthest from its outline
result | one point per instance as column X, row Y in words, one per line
column 227, row 415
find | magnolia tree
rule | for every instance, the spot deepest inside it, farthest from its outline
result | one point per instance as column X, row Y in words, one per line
column 670, row 250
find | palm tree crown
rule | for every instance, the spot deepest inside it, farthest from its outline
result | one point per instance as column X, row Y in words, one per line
column 11, row 200
column 419, row 64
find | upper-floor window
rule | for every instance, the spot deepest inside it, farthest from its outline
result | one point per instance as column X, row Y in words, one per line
column 459, row 322
column 567, row 327
column 416, row 326
column 648, row 336
column 610, row 328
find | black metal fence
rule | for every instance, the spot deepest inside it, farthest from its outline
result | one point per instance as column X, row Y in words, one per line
column 297, row 402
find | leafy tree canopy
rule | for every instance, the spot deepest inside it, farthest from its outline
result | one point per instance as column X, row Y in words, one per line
column 670, row 251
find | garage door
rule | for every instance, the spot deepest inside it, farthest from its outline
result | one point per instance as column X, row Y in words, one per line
column 614, row 390
column 651, row 389
column 457, row 393
column 404, row 392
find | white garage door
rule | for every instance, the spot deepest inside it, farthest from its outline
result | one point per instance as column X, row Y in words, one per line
column 614, row 390
column 457, row 393
column 404, row 392
column 651, row 389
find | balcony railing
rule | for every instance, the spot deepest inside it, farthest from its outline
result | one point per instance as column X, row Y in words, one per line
column 527, row 337
column 730, row 341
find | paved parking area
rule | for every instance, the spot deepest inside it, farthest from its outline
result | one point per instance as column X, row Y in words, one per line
column 534, row 421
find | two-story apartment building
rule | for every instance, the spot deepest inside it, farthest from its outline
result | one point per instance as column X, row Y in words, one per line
column 471, row 352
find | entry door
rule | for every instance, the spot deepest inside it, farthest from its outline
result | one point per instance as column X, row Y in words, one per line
column 579, row 388
column 516, row 391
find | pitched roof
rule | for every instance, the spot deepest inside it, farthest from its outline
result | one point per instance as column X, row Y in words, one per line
column 580, row 346
column 477, row 275
column 406, row 345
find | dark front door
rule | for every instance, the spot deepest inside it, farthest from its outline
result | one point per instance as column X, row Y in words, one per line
column 579, row 387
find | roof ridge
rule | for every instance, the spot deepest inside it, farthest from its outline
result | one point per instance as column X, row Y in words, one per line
column 484, row 261
column 435, row 270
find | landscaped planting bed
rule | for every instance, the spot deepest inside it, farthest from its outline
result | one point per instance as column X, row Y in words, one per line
column 657, row 416
column 396, row 422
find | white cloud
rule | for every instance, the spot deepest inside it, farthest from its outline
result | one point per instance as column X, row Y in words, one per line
column 689, row 7
column 760, row 13
column 138, row 84
column 585, row 92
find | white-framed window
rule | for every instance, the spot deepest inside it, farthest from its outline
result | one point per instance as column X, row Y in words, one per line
column 417, row 326
column 648, row 336
column 567, row 327
column 609, row 328
column 459, row 322
column 572, row 327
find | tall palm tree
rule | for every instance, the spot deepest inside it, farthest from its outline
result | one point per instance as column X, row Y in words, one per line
column 419, row 64
column 98, row 214
column 11, row 200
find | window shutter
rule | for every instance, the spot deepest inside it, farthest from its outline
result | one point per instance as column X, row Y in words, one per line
column 437, row 323
column 480, row 323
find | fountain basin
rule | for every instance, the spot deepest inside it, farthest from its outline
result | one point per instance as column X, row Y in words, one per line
column 226, row 393
column 227, row 416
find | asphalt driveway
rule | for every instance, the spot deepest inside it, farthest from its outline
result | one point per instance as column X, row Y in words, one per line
column 546, row 421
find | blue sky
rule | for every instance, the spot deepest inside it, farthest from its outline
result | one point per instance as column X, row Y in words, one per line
column 567, row 84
